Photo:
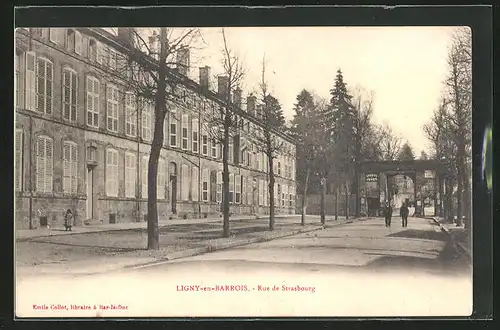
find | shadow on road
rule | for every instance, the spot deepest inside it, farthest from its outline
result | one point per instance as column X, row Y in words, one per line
column 421, row 234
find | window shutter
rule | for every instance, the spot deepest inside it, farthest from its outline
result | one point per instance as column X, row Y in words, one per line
column 219, row 187
column 66, row 94
column 74, row 97
column 19, row 159
column 66, row 168
column 48, row 165
column 244, row 190
column 48, row 86
column 30, row 81
column 74, row 168
column 144, row 166
column 40, row 164
column 195, row 186
column 78, row 43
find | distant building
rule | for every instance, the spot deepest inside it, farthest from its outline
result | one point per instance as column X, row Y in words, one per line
column 82, row 142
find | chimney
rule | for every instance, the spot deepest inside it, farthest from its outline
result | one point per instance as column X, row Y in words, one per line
column 237, row 98
column 205, row 78
column 153, row 45
column 251, row 99
column 183, row 61
column 126, row 35
column 223, row 82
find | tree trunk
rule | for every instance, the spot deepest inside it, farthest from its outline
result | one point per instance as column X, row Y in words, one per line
column 156, row 145
column 337, row 192
column 304, row 197
column 459, row 199
column 347, row 200
column 356, row 186
column 322, row 201
column 225, row 175
column 271, row 194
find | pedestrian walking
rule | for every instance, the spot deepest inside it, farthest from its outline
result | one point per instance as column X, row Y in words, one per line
column 388, row 214
column 404, row 211
column 68, row 220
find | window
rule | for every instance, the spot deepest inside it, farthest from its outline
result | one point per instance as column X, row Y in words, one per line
column 69, row 96
column 54, row 34
column 173, row 130
column 78, row 43
column 160, row 180
column 17, row 81
column 44, row 164
column 112, row 108
column 214, row 148
column 185, row 174
column 44, row 74
column 258, row 161
column 277, row 195
column 147, row 120
column 184, row 125
column 204, row 185
column 130, row 115
column 279, row 167
column 130, row 174
column 92, row 50
column 112, row 173
column 37, row 33
column 70, row 167
column 283, row 195
column 144, row 176
column 231, row 188
column 195, row 134
column 219, row 187
column 204, row 144
column 195, row 184
column 93, row 89
column 237, row 189
column 19, row 159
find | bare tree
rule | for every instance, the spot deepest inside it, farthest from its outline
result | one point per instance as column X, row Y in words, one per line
column 146, row 70
column 458, row 89
column 390, row 143
column 224, row 124
column 364, row 135
column 265, row 138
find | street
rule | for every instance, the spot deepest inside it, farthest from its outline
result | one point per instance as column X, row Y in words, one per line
column 358, row 269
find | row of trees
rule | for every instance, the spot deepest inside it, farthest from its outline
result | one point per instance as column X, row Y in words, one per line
column 151, row 64
column 334, row 136
column 450, row 127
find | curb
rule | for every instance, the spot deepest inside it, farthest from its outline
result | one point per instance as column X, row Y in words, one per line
column 457, row 245
column 215, row 220
column 227, row 245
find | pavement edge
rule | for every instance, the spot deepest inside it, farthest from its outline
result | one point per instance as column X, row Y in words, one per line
column 457, row 245
column 227, row 245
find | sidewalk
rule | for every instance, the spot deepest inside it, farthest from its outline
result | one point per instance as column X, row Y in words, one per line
column 26, row 234
column 104, row 251
column 457, row 234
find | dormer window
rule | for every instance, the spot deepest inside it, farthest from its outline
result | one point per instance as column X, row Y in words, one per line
column 70, row 40
column 92, row 51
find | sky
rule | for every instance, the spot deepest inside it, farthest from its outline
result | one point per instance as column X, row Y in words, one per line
column 403, row 66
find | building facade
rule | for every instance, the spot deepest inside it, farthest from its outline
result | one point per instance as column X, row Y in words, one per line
column 82, row 140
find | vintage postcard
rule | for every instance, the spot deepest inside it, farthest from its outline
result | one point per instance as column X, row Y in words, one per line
column 238, row 172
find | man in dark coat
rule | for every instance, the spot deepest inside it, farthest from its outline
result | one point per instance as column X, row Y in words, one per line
column 404, row 212
column 388, row 214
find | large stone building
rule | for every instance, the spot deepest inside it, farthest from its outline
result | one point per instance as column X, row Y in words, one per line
column 82, row 141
